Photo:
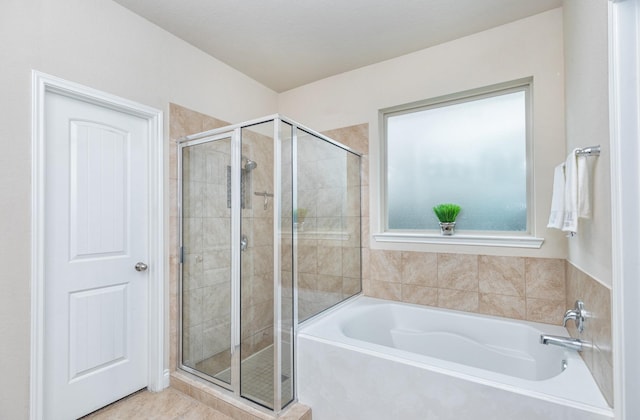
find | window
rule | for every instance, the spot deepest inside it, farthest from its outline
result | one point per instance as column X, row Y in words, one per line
column 470, row 149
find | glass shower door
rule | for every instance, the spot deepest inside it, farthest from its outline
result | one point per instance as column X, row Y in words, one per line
column 206, row 286
column 266, row 319
column 256, row 265
column 328, row 224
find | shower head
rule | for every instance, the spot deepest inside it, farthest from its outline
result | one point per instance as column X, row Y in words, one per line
column 249, row 165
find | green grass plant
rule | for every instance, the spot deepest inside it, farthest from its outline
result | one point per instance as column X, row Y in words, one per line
column 446, row 212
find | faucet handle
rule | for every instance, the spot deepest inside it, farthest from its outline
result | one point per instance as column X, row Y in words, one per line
column 578, row 314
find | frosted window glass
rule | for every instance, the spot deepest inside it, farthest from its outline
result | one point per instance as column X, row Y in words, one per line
column 471, row 153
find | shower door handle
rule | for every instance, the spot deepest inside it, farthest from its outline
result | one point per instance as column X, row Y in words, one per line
column 244, row 243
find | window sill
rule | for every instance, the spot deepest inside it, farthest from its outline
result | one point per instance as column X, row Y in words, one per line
column 461, row 239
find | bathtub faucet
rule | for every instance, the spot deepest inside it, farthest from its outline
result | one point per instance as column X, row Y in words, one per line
column 567, row 342
column 578, row 314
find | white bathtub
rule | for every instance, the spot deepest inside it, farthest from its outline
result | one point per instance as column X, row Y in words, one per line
column 376, row 359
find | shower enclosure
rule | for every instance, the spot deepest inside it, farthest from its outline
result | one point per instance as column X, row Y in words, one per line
column 269, row 236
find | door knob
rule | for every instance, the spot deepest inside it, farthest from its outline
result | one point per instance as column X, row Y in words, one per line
column 141, row 266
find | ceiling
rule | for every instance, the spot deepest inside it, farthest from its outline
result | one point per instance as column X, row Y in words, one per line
column 284, row 44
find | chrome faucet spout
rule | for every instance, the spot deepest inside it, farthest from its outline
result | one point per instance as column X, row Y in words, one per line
column 566, row 342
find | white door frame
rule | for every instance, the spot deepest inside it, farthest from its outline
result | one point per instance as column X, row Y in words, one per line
column 41, row 85
column 624, row 87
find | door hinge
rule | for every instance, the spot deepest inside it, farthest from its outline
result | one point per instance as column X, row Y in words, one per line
column 181, row 252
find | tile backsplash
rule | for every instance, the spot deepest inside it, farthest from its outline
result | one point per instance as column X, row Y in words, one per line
column 512, row 287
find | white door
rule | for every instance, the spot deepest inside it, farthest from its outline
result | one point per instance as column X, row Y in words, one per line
column 96, row 230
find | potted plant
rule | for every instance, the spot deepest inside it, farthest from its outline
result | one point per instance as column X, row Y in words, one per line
column 298, row 217
column 446, row 214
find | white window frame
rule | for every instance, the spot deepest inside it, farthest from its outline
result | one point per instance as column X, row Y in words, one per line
column 519, row 239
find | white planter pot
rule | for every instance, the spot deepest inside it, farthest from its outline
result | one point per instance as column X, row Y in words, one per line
column 447, row 228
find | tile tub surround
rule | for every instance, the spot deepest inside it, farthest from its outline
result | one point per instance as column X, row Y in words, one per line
column 597, row 300
column 531, row 289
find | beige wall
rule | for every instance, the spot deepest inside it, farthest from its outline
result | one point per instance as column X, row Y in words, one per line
column 529, row 47
column 100, row 44
column 587, row 123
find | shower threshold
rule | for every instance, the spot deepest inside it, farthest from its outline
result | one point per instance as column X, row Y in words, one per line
column 256, row 377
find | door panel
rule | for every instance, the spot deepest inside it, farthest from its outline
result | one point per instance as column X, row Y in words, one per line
column 97, row 334
column 98, row 189
column 96, row 230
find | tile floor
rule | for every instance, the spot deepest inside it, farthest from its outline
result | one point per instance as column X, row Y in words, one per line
column 169, row 404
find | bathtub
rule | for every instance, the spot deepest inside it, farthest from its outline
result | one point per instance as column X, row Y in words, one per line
column 376, row 359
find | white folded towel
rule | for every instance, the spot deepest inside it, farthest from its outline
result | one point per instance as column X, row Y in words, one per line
column 570, row 223
column 556, row 218
column 571, row 194
column 584, row 188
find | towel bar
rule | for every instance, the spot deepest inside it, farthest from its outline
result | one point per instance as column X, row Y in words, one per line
column 589, row 151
